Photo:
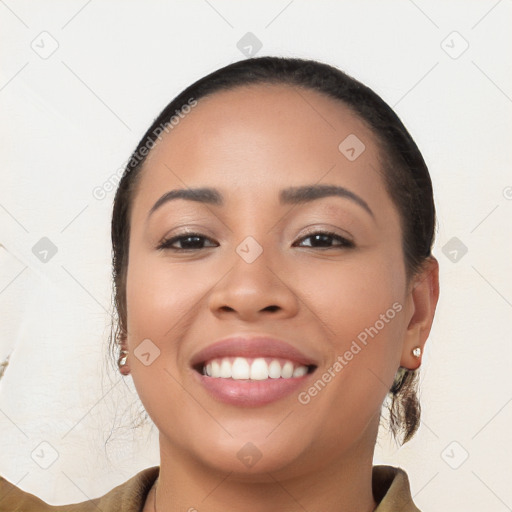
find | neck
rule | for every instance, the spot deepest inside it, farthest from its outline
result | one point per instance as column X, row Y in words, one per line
column 185, row 484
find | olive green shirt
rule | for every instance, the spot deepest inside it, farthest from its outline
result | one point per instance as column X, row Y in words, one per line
column 390, row 489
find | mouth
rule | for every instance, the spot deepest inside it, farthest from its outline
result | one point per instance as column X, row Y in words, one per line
column 251, row 371
column 259, row 368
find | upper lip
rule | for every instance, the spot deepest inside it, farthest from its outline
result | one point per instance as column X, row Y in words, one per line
column 251, row 346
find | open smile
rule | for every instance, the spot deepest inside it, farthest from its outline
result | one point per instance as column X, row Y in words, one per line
column 251, row 371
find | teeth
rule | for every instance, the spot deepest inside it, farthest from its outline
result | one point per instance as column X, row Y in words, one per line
column 274, row 370
column 259, row 369
column 240, row 368
column 225, row 369
column 300, row 371
column 287, row 370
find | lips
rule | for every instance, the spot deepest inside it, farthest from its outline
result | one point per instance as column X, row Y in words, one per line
column 230, row 385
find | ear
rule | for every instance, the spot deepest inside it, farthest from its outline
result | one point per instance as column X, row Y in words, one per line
column 424, row 295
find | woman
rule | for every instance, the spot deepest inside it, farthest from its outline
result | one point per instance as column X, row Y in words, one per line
column 274, row 282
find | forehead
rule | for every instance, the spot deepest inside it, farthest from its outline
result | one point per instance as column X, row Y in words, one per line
column 240, row 120
column 253, row 139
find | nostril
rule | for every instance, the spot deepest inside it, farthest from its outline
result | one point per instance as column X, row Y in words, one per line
column 272, row 308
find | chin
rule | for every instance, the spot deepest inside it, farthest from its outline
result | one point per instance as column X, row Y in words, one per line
column 249, row 461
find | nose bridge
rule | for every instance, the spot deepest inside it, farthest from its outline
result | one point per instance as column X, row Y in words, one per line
column 253, row 265
column 254, row 242
column 253, row 283
column 250, row 250
column 256, row 247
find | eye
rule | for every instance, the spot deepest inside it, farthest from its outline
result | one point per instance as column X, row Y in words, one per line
column 321, row 239
column 195, row 241
column 189, row 241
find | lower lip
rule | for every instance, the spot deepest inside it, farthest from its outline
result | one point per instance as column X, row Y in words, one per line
column 251, row 393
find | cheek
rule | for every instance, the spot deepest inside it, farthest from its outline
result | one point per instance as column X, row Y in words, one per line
column 161, row 300
column 357, row 303
column 352, row 294
column 360, row 303
column 151, row 300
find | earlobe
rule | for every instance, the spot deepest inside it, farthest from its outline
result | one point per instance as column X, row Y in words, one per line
column 424, row 296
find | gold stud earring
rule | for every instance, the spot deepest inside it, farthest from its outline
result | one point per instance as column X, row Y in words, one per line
column 123, row 356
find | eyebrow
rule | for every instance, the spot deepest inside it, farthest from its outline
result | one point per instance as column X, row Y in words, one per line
column 291, row 195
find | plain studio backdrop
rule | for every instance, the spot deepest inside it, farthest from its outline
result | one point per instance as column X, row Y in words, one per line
column 82, row 80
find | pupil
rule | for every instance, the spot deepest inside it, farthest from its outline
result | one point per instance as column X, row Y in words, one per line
column 322, row 238
column 196, row 241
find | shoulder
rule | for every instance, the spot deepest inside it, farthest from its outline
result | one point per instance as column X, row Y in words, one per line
column 11, row 498
column 127, row 497
column 391, row 489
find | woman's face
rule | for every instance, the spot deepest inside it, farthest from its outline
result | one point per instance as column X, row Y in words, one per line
column 259, row 270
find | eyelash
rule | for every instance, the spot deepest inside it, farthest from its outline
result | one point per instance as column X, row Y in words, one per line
column 167, row 243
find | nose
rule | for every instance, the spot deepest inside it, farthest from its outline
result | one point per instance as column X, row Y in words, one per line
column 253, row 291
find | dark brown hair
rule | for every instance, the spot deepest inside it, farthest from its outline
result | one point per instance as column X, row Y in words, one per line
column 403, row 168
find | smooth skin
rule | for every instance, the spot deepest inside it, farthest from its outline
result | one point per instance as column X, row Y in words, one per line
column 317, row 294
